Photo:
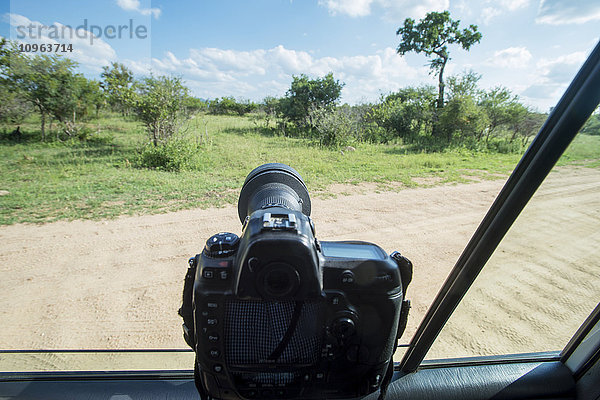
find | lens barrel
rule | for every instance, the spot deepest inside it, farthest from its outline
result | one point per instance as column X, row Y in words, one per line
column 273, row 185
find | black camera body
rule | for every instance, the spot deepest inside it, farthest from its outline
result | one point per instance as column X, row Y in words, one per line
column 276, row 313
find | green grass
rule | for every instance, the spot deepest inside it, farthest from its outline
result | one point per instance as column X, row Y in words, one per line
column 99, row 178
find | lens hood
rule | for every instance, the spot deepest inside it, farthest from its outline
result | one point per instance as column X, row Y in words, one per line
column 273, row 183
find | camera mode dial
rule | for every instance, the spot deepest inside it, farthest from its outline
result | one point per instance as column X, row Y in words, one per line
column 222, row 244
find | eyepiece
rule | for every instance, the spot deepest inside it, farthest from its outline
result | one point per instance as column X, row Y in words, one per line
column 273, row 185
column 278, row 281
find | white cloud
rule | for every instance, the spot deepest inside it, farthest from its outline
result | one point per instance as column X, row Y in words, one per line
column 88, row 49
column 512, row 57
column 563, row 68
column 489, row 13
column 513, row 5
column 553, row 77
column 394, row 10
column 134, row 5
column 353, row 8
column 212, row 72
column 561, row 12
column 500, row 7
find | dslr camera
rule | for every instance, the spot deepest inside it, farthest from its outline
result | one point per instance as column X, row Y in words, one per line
column 276, row 313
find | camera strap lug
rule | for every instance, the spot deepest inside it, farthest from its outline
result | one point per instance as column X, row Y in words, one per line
column 186, row 307
column 406, row 269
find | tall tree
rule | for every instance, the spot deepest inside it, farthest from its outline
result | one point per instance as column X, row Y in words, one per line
column 117, row 82
column 431, row 36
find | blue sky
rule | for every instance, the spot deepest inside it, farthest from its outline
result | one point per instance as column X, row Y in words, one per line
column 251, row 49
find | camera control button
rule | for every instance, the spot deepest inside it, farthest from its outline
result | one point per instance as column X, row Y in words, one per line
column 212, row 321
column 218, row 368
column 214, row 353
column 213, row 337
column 221, row 245
column 208, row 273
column 224, row 275
column 212, row 305
column 347, row 277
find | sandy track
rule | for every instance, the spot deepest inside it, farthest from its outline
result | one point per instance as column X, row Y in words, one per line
column 117, row 283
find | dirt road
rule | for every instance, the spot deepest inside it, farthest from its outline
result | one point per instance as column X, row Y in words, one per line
column 117, row 283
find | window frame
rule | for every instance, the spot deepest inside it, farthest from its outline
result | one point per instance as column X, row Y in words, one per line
column 568, row 117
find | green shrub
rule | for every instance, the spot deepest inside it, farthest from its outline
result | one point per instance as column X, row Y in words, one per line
column 178, row 154
column 335, row 126
column 461, row 119
column 159, row 104
column 406, row 114
column 230, row 106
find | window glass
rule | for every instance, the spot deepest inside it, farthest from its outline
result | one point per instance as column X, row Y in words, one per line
column 544, row 278
column 99, row 215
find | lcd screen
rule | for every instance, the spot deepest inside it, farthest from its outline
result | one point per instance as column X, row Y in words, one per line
column 351, row 250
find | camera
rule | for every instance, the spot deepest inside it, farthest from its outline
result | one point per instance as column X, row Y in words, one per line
column 276, row 313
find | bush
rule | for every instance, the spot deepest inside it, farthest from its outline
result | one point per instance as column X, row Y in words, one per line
column 406, row 114
column 462, row 119
column 180, row 154
column 306, row 95
column 230, row 106
column 159, row 104
column 592, row 126
column 194, row 105
column 338, row 126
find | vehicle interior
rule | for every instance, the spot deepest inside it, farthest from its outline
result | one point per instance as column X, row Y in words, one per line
column 571, row 370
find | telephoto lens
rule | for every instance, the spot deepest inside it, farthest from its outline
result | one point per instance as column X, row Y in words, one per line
column 273, row 185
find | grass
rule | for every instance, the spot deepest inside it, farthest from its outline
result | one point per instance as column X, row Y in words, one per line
column 99, row 179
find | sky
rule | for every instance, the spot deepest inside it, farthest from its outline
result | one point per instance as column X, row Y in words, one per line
column 252, row 49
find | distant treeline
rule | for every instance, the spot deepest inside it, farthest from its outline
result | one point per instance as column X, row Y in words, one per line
column 492, row 119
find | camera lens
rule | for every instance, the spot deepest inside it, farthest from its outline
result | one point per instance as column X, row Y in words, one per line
column 278, row 280
column 273, row 185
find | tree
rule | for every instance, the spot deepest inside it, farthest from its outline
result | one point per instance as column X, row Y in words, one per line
column 592, row 126
column 431, row 36
column 523, row 122
column 269, row 106
column 229, row 105
column 306, row 94
column 159, row 104
column 13, row 105
column 194, row 105
column 47, row 82
column 464, row 85
column 118, row 84
column 501, row 107
column 92, row 95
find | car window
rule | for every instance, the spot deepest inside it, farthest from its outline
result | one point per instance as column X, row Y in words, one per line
column 543, row 279
column 100, row 209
